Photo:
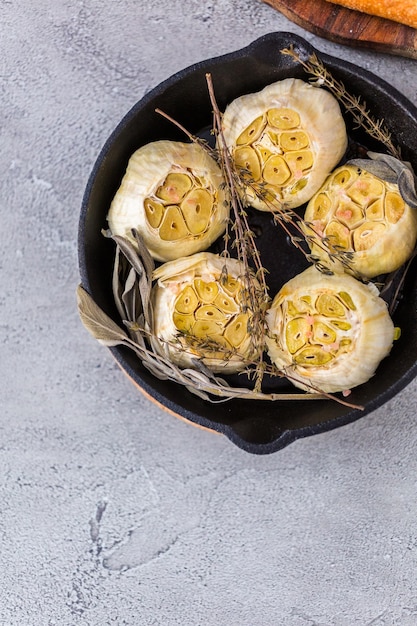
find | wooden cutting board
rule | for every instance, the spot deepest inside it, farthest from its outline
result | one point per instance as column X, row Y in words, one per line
column 350, row 27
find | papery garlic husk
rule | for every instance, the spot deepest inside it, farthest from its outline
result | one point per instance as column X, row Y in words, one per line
column 359, row 213
column 328, row 332
column 174, row 195
column 200, row 311
column 284, row 141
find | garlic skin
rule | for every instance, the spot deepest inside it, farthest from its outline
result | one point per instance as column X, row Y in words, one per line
column 286, row 138
column 174, row 195
column 194, row 305
column 330, row 332
column 361, row 213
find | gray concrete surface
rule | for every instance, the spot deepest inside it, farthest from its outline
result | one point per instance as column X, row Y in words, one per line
column 111, row 510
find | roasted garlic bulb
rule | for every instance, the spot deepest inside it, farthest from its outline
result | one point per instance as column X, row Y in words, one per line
column 358, row 212
column 328, row 332
column 200, row 312
column 284, row 141
column 173, row 195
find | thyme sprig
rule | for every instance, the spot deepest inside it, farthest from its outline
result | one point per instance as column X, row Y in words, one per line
column 244, row 242
column 353, row 104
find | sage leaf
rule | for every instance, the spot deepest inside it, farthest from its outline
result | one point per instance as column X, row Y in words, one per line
column 142, row 264
column 98, row 323
column 156, row 370
column 130, row 297
column 407, row 187
column 147, row 260
column 200, row 394
column 117, row 283
column 137, row 257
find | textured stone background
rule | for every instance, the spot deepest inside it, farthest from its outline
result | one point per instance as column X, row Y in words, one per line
column 111, row 510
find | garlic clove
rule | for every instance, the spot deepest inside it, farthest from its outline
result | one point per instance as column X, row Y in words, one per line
column 247, row 161
column 210, row 313
column 173, row 226
column 187, row 301
column 154, row 212
column 206, row 291
column 283, row 118
column 174, row 187
column 196, row 208
column 276, row 170
column 252, row 132
column 236, row 330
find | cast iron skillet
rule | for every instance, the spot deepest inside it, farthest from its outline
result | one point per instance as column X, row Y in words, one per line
column 258, row 427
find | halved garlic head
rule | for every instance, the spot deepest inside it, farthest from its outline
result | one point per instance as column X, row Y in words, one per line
column 328, row 332
column 200, row 312
column 284, row 141
column 173, row 195
column 360, row 213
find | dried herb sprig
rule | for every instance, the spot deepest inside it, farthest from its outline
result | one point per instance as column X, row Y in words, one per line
column 244, row 242
column 353, row 104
